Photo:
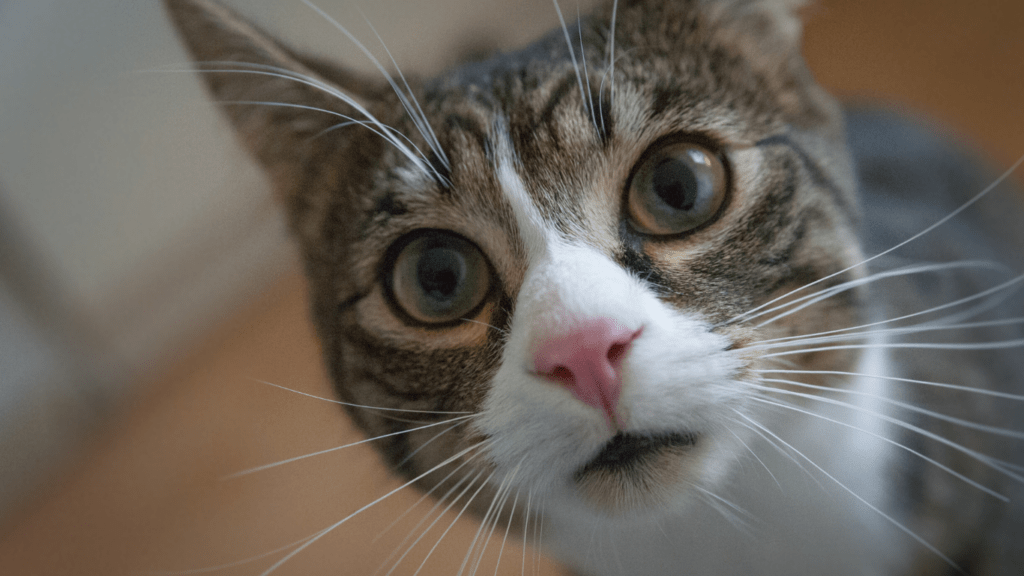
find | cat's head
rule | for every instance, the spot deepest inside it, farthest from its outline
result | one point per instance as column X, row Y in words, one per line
column 565, row 243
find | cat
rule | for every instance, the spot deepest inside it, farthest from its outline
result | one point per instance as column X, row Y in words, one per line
column 637, row 285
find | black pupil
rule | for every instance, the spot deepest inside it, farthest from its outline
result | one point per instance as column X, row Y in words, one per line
column 440, row 271
column 675, row 183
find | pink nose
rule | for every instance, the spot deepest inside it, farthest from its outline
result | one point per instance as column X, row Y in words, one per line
column 588, row 361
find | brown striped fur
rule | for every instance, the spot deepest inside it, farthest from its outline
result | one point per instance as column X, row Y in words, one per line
column 725, row 73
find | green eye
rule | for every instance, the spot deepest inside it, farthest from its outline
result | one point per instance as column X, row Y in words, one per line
column 676, row 188
column 439, row 277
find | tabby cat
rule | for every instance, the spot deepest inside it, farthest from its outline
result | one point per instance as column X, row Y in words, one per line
column 621, row 285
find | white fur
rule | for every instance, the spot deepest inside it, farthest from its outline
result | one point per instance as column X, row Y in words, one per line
column 804, row 525
column 678, row 376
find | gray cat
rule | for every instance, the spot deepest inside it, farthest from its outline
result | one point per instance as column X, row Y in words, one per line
column 631, row 268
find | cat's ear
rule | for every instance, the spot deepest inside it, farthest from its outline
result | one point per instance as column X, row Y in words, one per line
column 771, row 27
column 277, row 100
column 765, row 28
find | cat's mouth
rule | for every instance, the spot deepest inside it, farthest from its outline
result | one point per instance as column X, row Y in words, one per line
column 635, row 471
column 628, row 450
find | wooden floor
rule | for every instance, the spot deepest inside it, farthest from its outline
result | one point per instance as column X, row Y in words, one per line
column 151, row 496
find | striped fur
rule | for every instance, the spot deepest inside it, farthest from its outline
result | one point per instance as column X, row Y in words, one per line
column 529, row 159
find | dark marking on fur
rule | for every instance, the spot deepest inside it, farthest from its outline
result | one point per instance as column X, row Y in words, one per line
column 471, row 127
column 390, row 205
column 561, row 90
column 816, row 173
column 634, row 259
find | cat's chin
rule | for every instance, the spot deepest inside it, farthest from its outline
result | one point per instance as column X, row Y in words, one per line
column 635, row 474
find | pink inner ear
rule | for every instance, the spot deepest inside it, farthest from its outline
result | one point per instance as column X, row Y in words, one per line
column 588, row 361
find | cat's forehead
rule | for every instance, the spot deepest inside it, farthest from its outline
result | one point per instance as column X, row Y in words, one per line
column 563, row 129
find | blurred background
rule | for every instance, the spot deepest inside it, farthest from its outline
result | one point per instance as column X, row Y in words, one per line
column 146, row 280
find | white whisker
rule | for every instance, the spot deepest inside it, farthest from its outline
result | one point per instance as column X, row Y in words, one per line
column 790, row 341
column 586, row 74
column 419, row 121
column 728, row 510
column 459, row 515
column 494, row 509
column 350, row 405
column 876, row 509
column 496, row 329
column 526, row 529
column 611, row 54
column 508, row 528
column 977, row 296
column 997, row 345
column 572, row 53
column 418, row 161
column 315, row 537
column 782, row 451
column 423, row 533
column 349, row 120
column 978, row 456
column 890, row 441
column 824, row 294
column 336, row 448
column 420, row 118
column 994, row 393
column 422, row 498
column 1002, row 177
column 758, row 458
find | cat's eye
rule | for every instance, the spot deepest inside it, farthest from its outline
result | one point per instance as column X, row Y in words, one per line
column 439, row 277
column 676, row 188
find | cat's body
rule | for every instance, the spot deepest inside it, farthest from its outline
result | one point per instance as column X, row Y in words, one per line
column 585, row 263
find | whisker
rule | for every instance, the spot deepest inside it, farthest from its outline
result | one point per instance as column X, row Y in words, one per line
column 501, row 499
column 493, row 509
column 904, row 331
column 586, row 74
column 540, row 540
column 413, row 454
column 312, row 539
column 758, row 458
column 909, row 407
column 496, row 329
column 419, row 121
column 978, row 456
column 572, row 52
column 611, row 54
column 782, row 451
column 336, row 448
column 350, row 405
column 977, row 296
column 459, row 515
column 508, row 528
column 826, row 293
column 997, row 345
column 426, row 495
column 349, row 120
column 1002, row 177
column 526, row 529
column 877, row 510
column 994, row 393
column 890, row 441
column 727, row 509
column 430, row 136
column 229, row 565
column 437, row 519
column 418, row 161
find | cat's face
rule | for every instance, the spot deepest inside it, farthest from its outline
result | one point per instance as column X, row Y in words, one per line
column 565, row 255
